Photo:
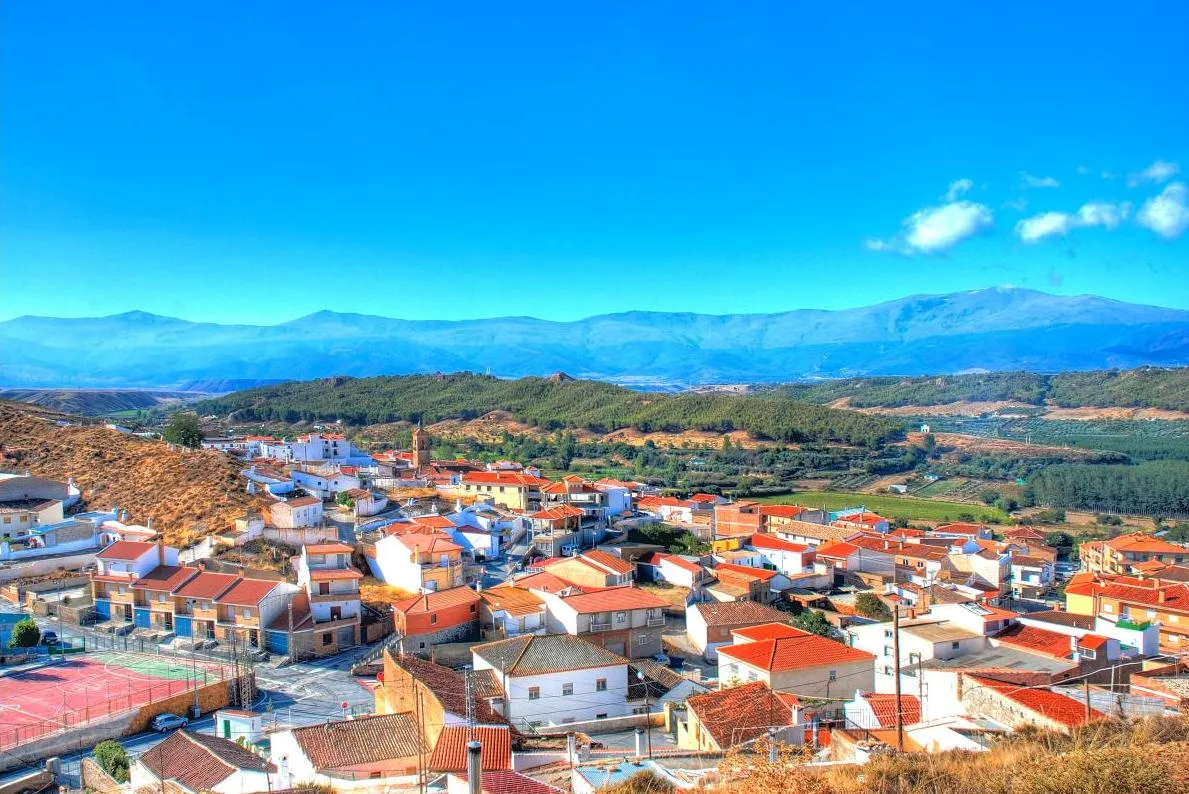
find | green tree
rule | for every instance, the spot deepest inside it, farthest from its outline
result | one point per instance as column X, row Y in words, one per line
column 1059, row 539
column 344, row 500
column 814, row 621
column 25, row 634
column 988, row 496
column 184, row 429
column 869, row 606
column 112, row 759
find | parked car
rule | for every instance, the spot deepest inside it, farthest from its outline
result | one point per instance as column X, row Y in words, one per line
column 168, row 722
column 49, row 638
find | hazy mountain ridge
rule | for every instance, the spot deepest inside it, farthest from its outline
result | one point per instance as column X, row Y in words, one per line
column 993, row 329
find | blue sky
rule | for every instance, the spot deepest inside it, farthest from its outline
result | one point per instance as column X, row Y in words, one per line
column 255, row 162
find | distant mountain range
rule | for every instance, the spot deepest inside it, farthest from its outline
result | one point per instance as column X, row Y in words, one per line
column 993, row 329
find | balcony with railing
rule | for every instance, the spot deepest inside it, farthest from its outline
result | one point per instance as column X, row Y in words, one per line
column 600, row 625
column 656, row 620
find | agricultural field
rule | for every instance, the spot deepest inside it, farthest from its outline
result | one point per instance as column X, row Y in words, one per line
column 903, row 507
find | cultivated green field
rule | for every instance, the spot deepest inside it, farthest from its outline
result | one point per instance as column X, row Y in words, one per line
column 904, row 507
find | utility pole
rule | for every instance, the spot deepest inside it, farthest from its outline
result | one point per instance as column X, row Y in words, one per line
column 896, row 655
column 1086, row 690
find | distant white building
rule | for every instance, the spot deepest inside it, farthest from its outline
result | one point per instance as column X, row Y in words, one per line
column 305, row 511
column 325, row 485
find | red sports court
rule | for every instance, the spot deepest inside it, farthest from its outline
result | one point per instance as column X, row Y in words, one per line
column 80, row 689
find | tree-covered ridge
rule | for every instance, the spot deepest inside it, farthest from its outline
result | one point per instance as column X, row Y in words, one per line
column 550, row 404
column 1148, row 387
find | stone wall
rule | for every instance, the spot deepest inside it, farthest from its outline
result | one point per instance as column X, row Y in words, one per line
column 95, row 779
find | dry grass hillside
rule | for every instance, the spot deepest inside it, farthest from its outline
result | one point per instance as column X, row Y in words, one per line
column 187, row 495
column 1145, row 757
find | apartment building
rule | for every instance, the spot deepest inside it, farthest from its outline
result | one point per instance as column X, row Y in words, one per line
column 1119, row 555
column 790, row 660
column 624, row 620
column 513, row 490
column 117, row 567
column 331, row 586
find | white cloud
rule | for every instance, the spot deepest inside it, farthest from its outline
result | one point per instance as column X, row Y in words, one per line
column 1102, row 213
column 878, row 245
column 1166, row 214
column 957, row 188
column 1058, row 224
column 1158, row 172
column 1017, row 204
column 1047, row 224
column 1039, row 181
column 936, row 229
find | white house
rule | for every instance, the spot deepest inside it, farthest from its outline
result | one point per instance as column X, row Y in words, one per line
column 676, row 570
column 325, row 485
column 556, row 679
column 376, row 750
column 198, row 763
column 236, row 724
column 416, row 561
column 791, row 559
column 332, row 585
column 619, row 496
column 304, row 511
column 314, row 447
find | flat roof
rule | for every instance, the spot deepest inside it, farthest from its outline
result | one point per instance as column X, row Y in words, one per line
column 1002, row 658
column 942, row 631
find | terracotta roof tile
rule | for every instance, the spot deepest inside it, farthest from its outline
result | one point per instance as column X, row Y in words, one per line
column 613, row 599
column 438, row 600
column 448, row 685
column 533, row 654
column 363, row 740
column 516, row 601
column 738, row 613
column 793, row 653
column 1042, row 701
column 884, row 707
column 450, row 753
column 126, row 550
column 504, row 782
column 504, row 478
column 198, row 761
column 165, row 577
column 610, row 561
column 768, row 631
column 333, row 574
column 329, row 548
column 739, row 714
column 248, row 592
column 207, row 585
column 777, row 544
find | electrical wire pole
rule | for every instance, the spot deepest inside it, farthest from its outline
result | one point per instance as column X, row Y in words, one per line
column 896, row 656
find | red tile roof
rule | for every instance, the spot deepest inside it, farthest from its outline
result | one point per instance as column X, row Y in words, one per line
column 1145, row 543
column 334, row 574
column 329, row 548
column 615, row 598
column 1176, row 597
column 437, row 522
column 198, row 761
column 450, row 753
column 615, row 564
column 1042, row 701
column 547, row 582
column 774, row 543
column 363, row 740
column 794, row 653
column 248, row 592
column 514, row 600
column 126, row 550
column 687, row 565
column 960, row 528
column 768, row 631
column 504, row 478
column 165, row 577
column 737, row 613
column 557, row 513
column 301, row 501
column 438, row 600
column 743, row 571
column 839, row 549
column 782, row 511
column 207, row 585
column 430, row 544
column 1037, row 640
column 739, row 714
column 884, row 707
column 504, row 782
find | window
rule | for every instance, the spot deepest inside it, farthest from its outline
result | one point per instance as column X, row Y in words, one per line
column 600, row 716
column 534, row 693
column 323, row 588
column 567, row 689
column 887, row 650
column 1108, row 608
column 621, row 617
column 641, row 639
column 955, row 645
column 833, row 675
column 433, row 619
column 327, row 638
column 887, row 633
column 1087, row 653
column 601, row 685
column 472, row 609
column 888, row 671
column 751, row 676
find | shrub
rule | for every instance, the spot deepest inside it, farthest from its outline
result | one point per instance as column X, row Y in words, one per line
column 112, row 759
column 25, row 634
column 869, row 606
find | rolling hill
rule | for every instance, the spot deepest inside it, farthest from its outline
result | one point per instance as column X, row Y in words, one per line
column 999, row 329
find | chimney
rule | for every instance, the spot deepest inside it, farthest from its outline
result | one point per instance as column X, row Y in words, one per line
column 160, row 551
column 1161, row 595
column 639, row 743
column 474, row 767
column 572, row 748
